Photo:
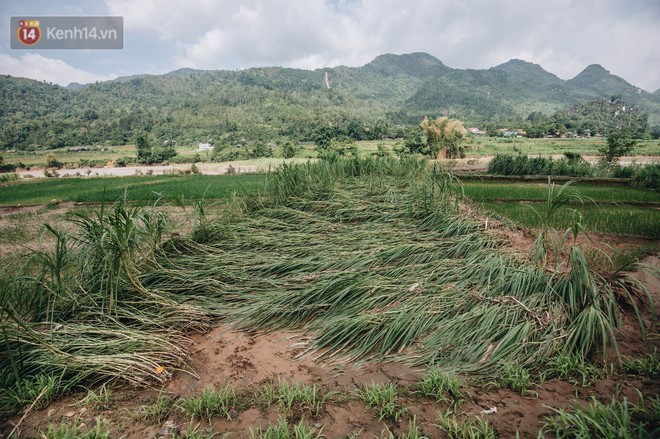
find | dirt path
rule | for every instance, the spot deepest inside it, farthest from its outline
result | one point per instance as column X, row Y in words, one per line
column 206, row 168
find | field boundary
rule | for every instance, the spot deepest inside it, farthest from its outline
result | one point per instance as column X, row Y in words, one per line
column 543, row 179
column 651, row 204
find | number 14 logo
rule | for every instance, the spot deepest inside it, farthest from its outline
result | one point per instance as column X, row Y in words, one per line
column 29, row 32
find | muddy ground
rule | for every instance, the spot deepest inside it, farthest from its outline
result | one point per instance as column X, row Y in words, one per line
column 247, row 361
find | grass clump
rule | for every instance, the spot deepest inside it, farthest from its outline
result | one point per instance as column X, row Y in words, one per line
column 616, row 419
column 647, row 366
column 383, row 399
column 77, row 431
column 158, row 411
column 210, row 403
column 100, row 399
column 575, row 369
column 193, row 431
column 282, row 430
column 413, row 432
column 474, row 428
column 40, row 390
column 441, row 386
column 295, row 397
column 514, row 377
column 80, row 311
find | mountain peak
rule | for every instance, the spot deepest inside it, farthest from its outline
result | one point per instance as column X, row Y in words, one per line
column 418, row 64
column 517, row 62
column 595, row 68
column 595, row 75
column 526, row 71
column 519, row 65
column 185, row 71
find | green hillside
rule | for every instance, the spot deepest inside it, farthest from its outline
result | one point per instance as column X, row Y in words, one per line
column 368, row 102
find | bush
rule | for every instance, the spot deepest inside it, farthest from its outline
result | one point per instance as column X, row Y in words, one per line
column 647, row 177
column 619, row 144
column 288, row 150
column 123, row 161
column 7, row 177
column 52, row 162
column 506, row 164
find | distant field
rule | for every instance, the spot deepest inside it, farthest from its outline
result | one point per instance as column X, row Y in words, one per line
column 606, row 212
column 618, row 220
column 482, row 146
column 496, row 145
column 147, row 188
column 509, row 199
column 485, row 191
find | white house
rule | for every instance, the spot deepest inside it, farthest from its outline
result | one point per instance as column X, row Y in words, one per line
column 205, row 147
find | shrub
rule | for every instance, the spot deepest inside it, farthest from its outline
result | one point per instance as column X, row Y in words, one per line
column 647, row 177
column 5, row 178
column 506, row 164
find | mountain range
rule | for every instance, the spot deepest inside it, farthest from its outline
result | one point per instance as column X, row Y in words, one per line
column 186, row 105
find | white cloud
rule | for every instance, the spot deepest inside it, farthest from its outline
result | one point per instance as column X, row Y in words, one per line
column 35, row 66
column 564, row 36
column 277, row 32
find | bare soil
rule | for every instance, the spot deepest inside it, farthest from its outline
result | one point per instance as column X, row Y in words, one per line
column 246, row 361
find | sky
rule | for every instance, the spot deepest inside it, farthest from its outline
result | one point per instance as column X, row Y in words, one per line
column 563, row 36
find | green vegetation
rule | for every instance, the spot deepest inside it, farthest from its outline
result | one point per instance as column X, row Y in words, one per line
column 74, row 431
column 574, row 369
column 538, row 192
column 619, row 143
column 608, row 117
column 515, row 377
column 620, row 220
column 210, row 403
column 603, row 209
column 40, row 390
column 158, row 411
column 444, row 138
column 383, row 399
column 113, row 298
column 441, row 386
column 585, row 146
column 146, row 189
column 148, row 155
column 617, row 419
column 523, row 165
column 295, row 397
column 282, row 430
column 647, row 366
column 647, row 177
column 263, row 105
column 412, row 432
column 467, row 428
column 99, row 400
column 643, row 177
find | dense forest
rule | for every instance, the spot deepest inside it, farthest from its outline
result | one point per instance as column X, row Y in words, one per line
column 374, row 101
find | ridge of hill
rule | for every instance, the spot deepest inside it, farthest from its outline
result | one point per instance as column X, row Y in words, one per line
column 271, row 102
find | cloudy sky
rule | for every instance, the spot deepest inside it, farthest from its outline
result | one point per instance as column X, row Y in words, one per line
column 563, row 36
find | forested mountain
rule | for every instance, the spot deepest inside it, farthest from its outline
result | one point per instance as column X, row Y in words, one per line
column 372, row 101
